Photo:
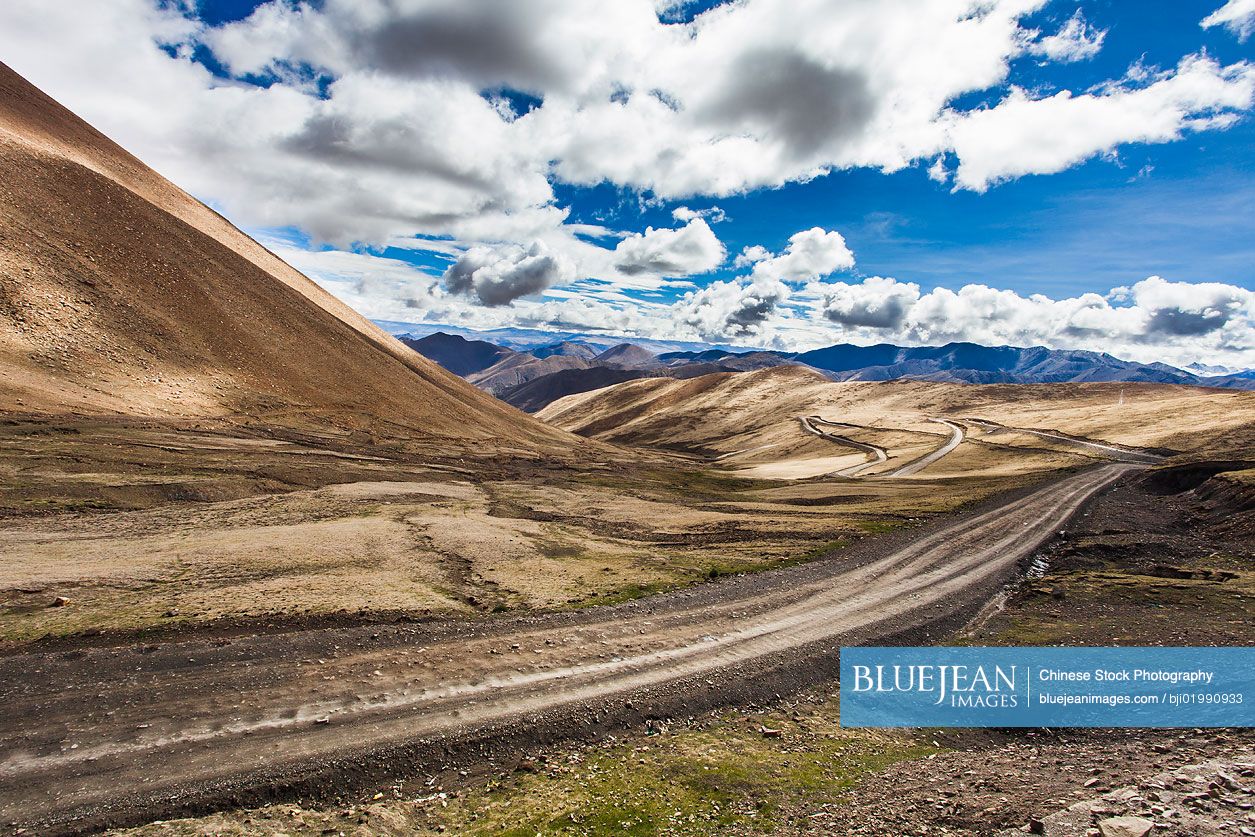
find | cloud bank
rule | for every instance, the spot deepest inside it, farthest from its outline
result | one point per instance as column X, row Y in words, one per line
column 366, row 120
column 447, row 126
column 1149, row 320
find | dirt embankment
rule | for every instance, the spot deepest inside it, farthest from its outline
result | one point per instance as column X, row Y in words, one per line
column 1167, row 558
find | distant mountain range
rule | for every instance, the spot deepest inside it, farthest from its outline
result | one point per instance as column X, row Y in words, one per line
column 532, row 379
column 974, row 364
column 527, row 339
column 460, row 356
column 536, row 375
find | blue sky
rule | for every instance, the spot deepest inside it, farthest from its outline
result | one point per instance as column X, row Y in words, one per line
column 1074, row 174
column 1185, row 210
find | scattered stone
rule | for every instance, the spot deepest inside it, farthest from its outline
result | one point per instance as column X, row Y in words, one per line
column 1125, row 827
column 60, row 601
column 1229, row 782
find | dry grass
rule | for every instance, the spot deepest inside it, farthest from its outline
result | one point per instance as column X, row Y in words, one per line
column 150, row 524
column 155, row 525
column 747, row 423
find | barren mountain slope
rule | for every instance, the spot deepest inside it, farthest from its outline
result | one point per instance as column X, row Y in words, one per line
column 517, row 369
column 121, row 294
column 460, row 356
column 752, row 418
column 628, row 356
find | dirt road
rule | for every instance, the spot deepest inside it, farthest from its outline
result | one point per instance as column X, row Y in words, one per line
column 100, row 735
column 1110, row 451
column 957, row 434
column 878, row 454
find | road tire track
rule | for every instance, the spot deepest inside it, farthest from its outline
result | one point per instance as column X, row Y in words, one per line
column 1120, row 454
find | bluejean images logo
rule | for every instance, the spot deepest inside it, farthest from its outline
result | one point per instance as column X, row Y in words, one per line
column 959, row 685
column 1048, row 687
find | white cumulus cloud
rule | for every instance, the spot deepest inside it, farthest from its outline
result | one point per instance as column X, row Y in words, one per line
column 685, row 251
column 1026, row 135
column 809, row 254
column 500, row 275
column 1077, row 40
column 743, row 308
column 1238, row 16
column 730, row 310
column 713, row 214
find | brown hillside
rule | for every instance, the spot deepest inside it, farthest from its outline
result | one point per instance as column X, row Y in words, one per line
column 749, row 421
column 122, row 294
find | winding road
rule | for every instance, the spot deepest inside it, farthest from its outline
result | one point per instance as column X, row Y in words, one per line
column 1112, row 451
column 957, row 434
column 878, row 454
column 107, row 735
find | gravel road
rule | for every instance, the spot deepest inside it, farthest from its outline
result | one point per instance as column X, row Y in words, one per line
column 117, row 734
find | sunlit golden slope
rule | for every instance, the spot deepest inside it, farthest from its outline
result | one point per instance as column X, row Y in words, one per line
column 120, row 293
column 749, row 421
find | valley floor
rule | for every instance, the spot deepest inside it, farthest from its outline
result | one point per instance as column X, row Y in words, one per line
column 160, row 527
column 785, row 766
column 213, row 605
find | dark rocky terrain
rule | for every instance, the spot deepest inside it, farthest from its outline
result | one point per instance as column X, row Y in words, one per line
column 460, row 356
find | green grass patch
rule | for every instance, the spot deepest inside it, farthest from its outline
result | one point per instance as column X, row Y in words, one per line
column 878, row 527
column 625, row 594
column 728, row 777
column 560, row 551
column 821, row 550
column 1081, row 606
